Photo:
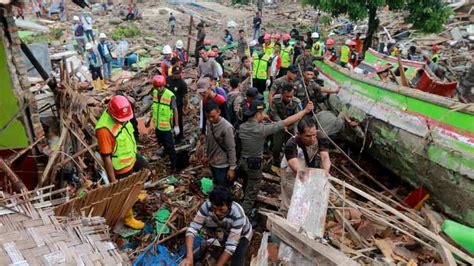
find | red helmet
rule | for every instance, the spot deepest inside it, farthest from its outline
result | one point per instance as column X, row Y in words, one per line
column 286, row 37
column 159, row 81
column 211, row 54
column 119, row 108
column 329, row 42
column 276, row 36
column 207, row 42
column 267, row 37
column 435, row 48
column 352, row 43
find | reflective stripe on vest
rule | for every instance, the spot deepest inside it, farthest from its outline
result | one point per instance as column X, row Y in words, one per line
column 125, row 150
column 345, row 51
column 260, row 67
column 286, row 57
column 268, row 49
column 162, row 112
column 319, row 52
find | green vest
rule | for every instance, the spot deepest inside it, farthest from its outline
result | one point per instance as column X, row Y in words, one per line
column 260, row 67
column 285, row 56
column 435, row 56
column 268, row 49
column 345, row 51
column 394, row 52
column 125, row 150
column 162, row 112
column 318, row 52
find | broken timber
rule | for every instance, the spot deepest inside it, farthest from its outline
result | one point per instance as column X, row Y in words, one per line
column 316, row 252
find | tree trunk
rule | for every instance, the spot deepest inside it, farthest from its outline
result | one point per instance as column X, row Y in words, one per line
column 373, row 27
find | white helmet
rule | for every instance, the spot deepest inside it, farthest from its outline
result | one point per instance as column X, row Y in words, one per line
column 348, row 41
column 75, row 18
column 179, row 44
column 315, row 35
column 166, row 50
column 89, row 46
column 102, row 35
column 253, row 43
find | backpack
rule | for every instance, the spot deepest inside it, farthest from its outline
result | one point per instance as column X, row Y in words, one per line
column 79, row 31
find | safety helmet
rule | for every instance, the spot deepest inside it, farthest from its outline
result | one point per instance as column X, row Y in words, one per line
column 286, row 37
column 267, row 37
column 75, row 18
column 276, row 36
column 253, row 43
column 351, row 43
column 159, row 81
column 102, row 35
column 207, row 42
column 89, row 46
column 330, row 42
column 211, row 54
column 166, row 50
column 348, row 41
column 315, row 35
column 179, row 44
column 435, row 48
column 119, row 108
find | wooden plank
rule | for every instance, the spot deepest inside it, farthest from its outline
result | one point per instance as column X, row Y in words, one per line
column 314, row 251
column 420, row 229
column 435, row 225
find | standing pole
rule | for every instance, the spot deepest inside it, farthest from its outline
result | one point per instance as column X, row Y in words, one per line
column 189, row 34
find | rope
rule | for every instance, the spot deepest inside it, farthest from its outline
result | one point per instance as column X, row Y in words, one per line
column 342, row 151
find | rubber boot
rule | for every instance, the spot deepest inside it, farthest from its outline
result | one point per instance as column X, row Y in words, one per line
column 95, row 84
column 102, row 83
column 131, row 222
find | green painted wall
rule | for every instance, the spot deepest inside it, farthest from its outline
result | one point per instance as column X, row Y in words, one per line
column 14, row 136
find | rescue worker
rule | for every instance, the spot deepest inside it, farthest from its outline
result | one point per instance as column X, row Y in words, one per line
column 434, row 53
column 275, row 62
column 345, row 51
column 283, row 106
column 166, row 63
column 306, row 59
column 165, row 115
column 94, row 63
column 105, row 51
column 289, row 79
column 286, row 55
column 318, row 45
column 392, row 48
column 223, row 220
column 181, row 53
column 252, row 135
column 79, row 33
column 353, row 55
column 310, row 148
column 118, row 147
column 330, row 52
column 261, row 71
column 267, row 45
column 275, row 38
column 234, row 101
column 179, row 87
column 314, row 90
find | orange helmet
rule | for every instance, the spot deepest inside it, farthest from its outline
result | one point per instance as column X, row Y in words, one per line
column 119, row 108
column 159, row 81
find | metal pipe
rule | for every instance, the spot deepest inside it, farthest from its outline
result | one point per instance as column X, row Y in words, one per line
column 44, row 75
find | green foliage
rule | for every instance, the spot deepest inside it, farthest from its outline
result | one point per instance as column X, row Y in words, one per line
column 428, row 15
column 125, row 32
column 325, row 20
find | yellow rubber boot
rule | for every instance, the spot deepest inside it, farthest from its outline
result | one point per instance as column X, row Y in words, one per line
column 95, row 84
column 104, row 86
column 131, row 222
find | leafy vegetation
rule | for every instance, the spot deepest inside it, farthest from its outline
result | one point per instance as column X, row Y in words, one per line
column 125, row 32
column 427, row 15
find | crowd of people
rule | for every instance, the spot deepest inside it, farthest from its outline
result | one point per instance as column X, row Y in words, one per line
column 272, row 102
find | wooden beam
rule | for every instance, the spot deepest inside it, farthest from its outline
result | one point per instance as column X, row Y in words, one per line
column 435, row 225
column 19, row 154
column 53, row 158
column 314, row 251
column 420, row 228
column 17, row 183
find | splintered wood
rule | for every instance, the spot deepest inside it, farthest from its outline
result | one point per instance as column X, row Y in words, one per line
column 37, row 237
column 110, row 202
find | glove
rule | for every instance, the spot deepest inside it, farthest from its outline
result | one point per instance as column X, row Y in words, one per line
column 176, row 130
column 268, row 83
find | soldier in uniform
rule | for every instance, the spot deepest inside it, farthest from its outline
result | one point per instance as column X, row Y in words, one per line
column 306, row 59
column 252, row 135
column 289, row 79
column 283, row 106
